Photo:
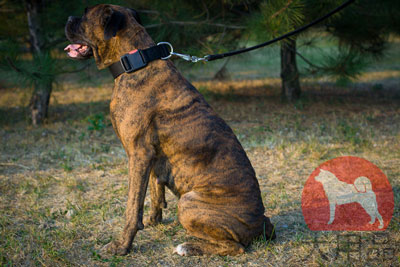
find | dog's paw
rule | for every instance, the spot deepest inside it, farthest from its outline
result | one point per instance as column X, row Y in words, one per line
column 153, row 220
column 187, row 249
column 115, row 248
column 269, row 228
column 181, row 250
column 149, row 222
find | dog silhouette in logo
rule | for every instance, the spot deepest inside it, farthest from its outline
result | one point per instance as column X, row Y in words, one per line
column 340, row 193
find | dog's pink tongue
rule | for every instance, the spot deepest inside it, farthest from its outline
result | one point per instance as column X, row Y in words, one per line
column 72, row 50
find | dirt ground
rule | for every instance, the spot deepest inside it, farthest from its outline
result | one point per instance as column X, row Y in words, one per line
column 63, row 186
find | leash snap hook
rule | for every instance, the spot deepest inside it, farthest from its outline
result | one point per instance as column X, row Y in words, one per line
column 197, row 59
column 193, row 59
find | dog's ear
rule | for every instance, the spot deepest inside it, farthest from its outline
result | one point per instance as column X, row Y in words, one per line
column 113, row 21
column 135, row 15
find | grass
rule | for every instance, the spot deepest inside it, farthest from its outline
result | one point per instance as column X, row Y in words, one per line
column 63, row 186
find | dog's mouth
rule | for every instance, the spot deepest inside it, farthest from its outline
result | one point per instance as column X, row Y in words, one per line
column 79, row 51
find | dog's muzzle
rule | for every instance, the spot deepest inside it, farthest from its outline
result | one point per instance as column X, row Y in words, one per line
column 78, row 49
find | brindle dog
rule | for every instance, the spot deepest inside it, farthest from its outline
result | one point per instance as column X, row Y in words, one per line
column 172, row 138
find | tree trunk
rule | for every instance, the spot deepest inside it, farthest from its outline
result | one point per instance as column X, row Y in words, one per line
column 33, row 9
column 222, row 74
column 289, row 73
column 39, row 102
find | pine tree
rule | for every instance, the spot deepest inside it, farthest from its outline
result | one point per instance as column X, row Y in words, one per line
column 361, row 29
column 197, row 27
column 207, row 27
column 40, row 24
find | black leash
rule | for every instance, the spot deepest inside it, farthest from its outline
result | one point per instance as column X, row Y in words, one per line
column 298, row 30
column 138, row 59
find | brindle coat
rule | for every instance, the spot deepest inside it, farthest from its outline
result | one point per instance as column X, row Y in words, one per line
column 173, row 138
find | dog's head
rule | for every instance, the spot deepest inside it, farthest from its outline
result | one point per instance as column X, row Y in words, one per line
column 96, row 33
column 324, row 176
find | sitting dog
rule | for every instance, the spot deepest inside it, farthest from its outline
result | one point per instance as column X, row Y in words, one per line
column 172, row 138
column 340, row 193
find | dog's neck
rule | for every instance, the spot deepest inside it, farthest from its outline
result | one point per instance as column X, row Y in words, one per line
column 131, row 40
column 135, row 40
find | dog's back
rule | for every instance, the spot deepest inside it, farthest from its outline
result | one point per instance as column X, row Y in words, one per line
column 333, row 187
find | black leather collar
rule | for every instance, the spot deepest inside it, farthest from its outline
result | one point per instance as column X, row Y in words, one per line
column 137, row 59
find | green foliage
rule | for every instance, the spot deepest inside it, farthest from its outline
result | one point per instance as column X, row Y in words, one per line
column 342, row 65
column 19, row 64
column 66, row 166
column 96, row 122
column 350, row 132
column 197, row 27
column 41, row 69
column 365, row 25
column 377, row 87
column 361, row 34
column 206, row 27
column 275, row 18
column 13, row 21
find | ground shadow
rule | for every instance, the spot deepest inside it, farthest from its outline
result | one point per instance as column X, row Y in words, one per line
column 57, row 113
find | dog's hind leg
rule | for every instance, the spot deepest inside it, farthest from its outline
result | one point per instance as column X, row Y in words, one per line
column 373, row 212
column 379, row 218
column 225, row 228
column 371, row 207
column 221, row 248
column 157, row 196
column 332, row 207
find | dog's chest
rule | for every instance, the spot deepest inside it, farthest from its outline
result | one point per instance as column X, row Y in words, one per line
column 130, row 113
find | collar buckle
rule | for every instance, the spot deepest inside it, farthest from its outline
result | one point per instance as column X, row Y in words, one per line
column 133, row 62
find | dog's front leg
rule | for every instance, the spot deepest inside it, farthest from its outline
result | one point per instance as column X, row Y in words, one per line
column 157, row 194
column 139, row 170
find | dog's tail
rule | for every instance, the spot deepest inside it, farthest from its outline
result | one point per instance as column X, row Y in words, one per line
column 363, row 184
column 269, row 230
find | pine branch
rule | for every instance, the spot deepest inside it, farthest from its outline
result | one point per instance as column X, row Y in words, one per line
column 21, row 71
column 74, row 71
column 206, row 11
column 304, row 58
column 12, row 65
column 307, row 61
column 183, row 23
column 38, row 75
column 146, row 11
column 281, row 10
column 54, row 42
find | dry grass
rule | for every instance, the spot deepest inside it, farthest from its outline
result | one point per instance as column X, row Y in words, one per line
column 63, row 186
